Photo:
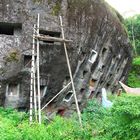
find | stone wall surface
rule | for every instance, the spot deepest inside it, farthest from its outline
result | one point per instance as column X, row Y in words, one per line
column 98, row 34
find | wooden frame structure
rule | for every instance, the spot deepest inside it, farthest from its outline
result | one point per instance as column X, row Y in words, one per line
column 36, row 71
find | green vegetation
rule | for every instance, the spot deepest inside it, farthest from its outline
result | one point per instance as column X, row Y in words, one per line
column 133, row 27
column 121, row 122
column 12, row 56
column 134, row 75
column 56, row 8
column 15, row 126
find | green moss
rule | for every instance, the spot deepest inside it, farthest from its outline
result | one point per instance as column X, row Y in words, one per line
column 13, row 56
column 56, row 8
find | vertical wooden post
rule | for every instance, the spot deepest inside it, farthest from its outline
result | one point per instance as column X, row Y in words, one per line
column 34, row 79
column 70, row 73
column 38, row 74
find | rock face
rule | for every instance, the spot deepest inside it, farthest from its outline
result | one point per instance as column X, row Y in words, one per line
column 100, row 54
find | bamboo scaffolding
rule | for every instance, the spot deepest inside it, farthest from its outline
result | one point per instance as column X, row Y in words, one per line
column 70, row 73
column 49, row 38
column 39, row 37
column 34, row 79
column 38, row 74
column 32, row 83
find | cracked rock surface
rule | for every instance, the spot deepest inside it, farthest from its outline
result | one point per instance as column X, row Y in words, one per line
column 100, row 54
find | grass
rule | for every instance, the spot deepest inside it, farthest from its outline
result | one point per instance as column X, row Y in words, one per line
column 121, row 122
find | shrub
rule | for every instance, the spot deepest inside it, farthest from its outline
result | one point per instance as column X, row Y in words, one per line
column 134, row 75
column 121, row 122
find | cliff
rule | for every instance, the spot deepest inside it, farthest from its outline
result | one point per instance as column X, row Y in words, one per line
column 100, row 54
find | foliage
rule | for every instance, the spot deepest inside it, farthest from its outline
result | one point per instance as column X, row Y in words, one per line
column 136, row 61
column 56, row 8
column 9, row 120
column 125, row 119
column 14, row 125
column 121, row 122
column 12, row 56
column 134, row 75
column 94, row 115
column 133, row 26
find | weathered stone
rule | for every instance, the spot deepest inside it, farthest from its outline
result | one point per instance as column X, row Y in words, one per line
column 94, row 27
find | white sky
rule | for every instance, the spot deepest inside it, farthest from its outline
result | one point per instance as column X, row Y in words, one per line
column 126, row 7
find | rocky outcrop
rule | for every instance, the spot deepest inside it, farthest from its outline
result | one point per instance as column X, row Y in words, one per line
column 100, row 54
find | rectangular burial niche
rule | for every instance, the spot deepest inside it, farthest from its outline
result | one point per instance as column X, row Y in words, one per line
column 104, row 51
column 43, row 90
column 92, row 82
column 27, row 61
column 68, row 96
column 61, row 112
column 43, row 81
column 91, row 87
column 82, row 90
column 108, row 85
column 85, row 72
column 49, row 33
column 93, row 56
column 12, row 90
column 10, row 28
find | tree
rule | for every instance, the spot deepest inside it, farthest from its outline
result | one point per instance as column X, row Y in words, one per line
column 133, row 27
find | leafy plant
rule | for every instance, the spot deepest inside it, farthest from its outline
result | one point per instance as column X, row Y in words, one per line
column 133, row 27
column 134, row 75
column 121, row 122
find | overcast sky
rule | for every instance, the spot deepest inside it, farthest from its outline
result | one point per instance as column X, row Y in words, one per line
column 126, row 7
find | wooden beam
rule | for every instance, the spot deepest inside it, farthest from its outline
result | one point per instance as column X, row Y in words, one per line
column 50, row 38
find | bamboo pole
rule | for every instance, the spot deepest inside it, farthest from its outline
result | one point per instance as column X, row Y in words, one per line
column 56, row 96
column 31, row 99
column 70, row 73
column 38, row 74
column 31, row 84
column 49, row 38
column 34, row 79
